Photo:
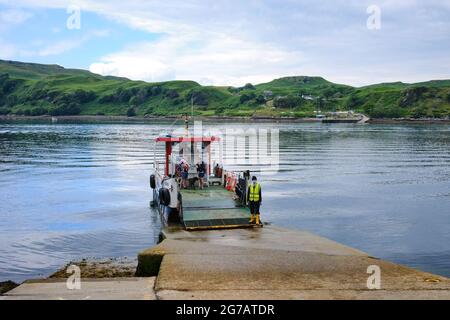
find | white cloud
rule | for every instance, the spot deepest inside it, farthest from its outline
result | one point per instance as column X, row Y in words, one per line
column 12, row 17
column 206, row 60
column 233, row 42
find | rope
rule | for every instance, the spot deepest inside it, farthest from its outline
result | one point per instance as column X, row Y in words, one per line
column 173, row 124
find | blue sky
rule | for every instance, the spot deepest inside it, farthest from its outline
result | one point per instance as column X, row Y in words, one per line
column 234, row 42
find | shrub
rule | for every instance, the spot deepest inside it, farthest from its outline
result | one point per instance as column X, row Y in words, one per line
column 122, row 95
column 171, row 94
column 303, row 114
column 4, row 110
column 133, row 101
column 154, row 91
column 36, row 94
column 38, row 111
column 247, row 97
column 380, row 111
column 106, row 99
column 249, row 86
column 219, row 110
column 3, row 78
column 354, row 102
column 142, row 95
column 82, row 96
column 65, row 109
column 131, row 112
column 52, row 95
column 287, row 102
column 19, row 111
column 412, row 95
column 260, row 99
column 328, row 93
column 420, row 112
column 200, row 98
column 12, row 100
column 7, row 84
column 233, row 90
column 149, row 110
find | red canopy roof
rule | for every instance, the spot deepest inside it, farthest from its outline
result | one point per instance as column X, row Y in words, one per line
column 187, row 139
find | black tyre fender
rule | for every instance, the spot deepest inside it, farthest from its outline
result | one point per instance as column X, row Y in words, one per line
column 164, row 196
column 152, row 181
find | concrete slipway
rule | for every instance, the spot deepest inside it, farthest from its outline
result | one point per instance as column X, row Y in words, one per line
column 266, row 263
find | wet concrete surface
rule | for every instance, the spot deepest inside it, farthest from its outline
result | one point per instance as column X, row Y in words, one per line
column 276, row 263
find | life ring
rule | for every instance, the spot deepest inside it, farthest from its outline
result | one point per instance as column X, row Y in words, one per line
column 164, row 196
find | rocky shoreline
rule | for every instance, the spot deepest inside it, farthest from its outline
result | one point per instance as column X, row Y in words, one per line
column 147, row 119
column 102, row 118
column 90, row 269
column 7, row 286
column 100, row 268
column 409, row 121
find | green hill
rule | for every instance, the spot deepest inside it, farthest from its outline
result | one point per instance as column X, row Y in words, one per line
column 35, row 71
column 36, row 89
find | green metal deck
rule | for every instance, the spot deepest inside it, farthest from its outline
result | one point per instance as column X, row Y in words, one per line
column 213, row 208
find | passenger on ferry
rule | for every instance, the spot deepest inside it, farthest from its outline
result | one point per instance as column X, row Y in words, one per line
column 184, row 167
column 201, row 170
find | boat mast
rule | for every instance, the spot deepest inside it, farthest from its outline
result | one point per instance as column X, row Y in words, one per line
column 192, row 106
column 186, row 118
column 186, row 125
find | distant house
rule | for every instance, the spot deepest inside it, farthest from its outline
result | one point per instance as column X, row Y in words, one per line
column 307, row 97
column 268, row 94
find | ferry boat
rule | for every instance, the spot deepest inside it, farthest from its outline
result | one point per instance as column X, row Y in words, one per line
column 220, row 204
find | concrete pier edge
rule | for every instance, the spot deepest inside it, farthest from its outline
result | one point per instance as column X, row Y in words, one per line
column 267, row 263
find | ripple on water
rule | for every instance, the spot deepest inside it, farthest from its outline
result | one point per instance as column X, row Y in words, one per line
column 70, row 191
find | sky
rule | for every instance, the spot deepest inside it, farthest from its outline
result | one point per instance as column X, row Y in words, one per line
column 228, row 42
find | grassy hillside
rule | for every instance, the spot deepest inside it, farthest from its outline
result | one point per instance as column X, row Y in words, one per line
column 35, row 89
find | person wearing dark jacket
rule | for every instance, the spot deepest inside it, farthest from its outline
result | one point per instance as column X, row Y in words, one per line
column 201, row 169
column 254, row 199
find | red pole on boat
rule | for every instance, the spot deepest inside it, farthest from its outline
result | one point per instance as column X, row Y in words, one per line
column 168, row 153
column 209, row 158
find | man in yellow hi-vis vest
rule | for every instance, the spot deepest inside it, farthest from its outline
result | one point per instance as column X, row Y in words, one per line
column 254, row 199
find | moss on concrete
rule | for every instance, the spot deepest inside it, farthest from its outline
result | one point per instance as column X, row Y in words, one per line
column 149, row 262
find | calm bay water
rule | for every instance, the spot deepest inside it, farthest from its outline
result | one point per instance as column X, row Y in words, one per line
column 70, row 191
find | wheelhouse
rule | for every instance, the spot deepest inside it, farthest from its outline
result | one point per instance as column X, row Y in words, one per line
column 193, row 150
